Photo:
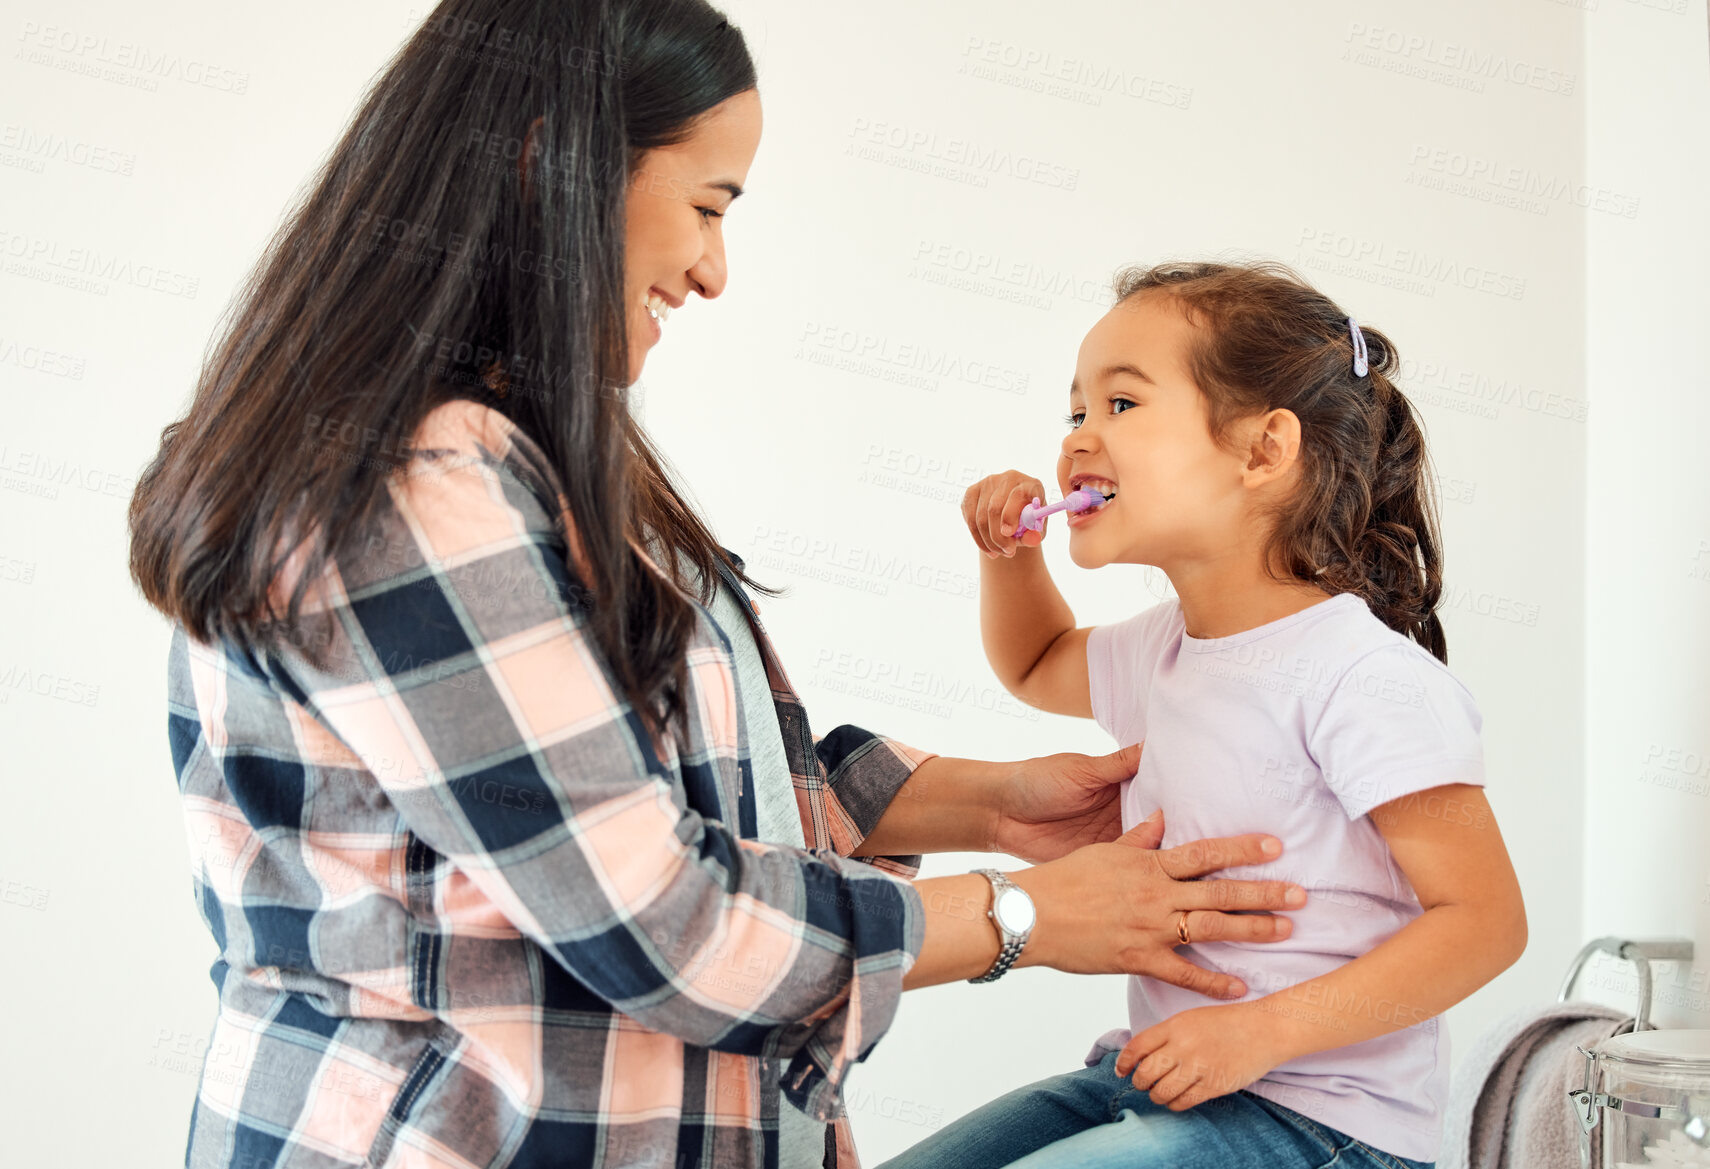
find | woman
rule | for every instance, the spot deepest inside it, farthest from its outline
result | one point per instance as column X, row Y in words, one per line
column 469, row 709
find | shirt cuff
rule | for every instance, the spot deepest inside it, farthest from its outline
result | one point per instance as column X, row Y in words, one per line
column 1363, row 798
column 856, row 1020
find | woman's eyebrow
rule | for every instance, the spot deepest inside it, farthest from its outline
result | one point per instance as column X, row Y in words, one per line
column 726, row 185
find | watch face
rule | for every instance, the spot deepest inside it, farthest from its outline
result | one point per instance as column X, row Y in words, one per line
column 1014, row 910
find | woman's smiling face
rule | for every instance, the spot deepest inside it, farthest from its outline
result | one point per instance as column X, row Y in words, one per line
column 674, row 214
column 1139, row 431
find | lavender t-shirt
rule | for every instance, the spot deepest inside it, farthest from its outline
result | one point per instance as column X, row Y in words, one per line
column 1298, row 728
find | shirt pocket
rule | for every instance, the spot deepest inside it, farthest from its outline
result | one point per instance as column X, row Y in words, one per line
column 404, row 1103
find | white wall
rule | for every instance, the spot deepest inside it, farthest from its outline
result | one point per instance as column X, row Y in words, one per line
column 1357, row 139
column 1647, row 748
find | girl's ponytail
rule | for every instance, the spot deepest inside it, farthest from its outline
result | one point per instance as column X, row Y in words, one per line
column 1397, row 552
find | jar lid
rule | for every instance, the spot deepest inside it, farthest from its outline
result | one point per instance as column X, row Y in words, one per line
column 1685, row 1049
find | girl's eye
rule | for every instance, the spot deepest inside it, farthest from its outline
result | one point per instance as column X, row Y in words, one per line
column 1073, row 421
column 709, row 213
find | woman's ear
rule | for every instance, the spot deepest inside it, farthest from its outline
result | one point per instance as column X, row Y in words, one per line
column 523, row 157
column 1274, row 446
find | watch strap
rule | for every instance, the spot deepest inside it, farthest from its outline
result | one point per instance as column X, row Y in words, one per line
column 1012, row 943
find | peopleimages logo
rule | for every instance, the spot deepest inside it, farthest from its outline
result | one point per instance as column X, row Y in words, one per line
column 1464, row 66
column 1074, row 78
column 86, row 269
column 85, row 52
column 978, row 159
column 865, row 568
column 1458, row 388
column 1523, row 187
column 47, row 684
column 825, row 341
column 39, row 146
column 1410, row 269
column 1020, row 280
column 864, row 675
column 39, row 473
column 40, row 360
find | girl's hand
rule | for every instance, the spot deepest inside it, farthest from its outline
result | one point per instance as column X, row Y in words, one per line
column 992, row 508
column 1199, row 1054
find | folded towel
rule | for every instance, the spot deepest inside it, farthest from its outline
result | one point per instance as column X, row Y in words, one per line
column 1508, row 1105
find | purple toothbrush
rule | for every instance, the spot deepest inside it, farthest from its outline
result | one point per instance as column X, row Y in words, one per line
column 1079, row 500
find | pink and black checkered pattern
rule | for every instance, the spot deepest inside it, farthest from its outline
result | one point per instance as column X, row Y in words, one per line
column 469, row 914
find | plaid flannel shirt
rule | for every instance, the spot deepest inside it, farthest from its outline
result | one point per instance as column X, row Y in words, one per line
column 469, row 913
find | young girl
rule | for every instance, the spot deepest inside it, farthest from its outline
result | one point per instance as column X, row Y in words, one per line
column 1249, row 442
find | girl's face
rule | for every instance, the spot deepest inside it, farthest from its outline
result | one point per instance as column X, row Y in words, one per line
column 673, row 218
column 1139, row 430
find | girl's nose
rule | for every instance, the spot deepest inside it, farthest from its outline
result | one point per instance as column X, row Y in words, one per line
column 1078, row 441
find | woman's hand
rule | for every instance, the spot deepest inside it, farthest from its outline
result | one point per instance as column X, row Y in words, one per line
column 1048, row 807
column 1113, row 908
column 1196, row 1055
column 992, row 509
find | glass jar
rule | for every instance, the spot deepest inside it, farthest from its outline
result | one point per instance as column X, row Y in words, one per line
column 1650, row 1090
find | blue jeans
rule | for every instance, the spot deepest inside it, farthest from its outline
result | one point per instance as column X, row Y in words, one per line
column 1091, row 1119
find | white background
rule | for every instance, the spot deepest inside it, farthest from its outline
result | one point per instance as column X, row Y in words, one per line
column 902, row 317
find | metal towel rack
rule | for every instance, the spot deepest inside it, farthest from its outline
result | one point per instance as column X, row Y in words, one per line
column 1641, row 955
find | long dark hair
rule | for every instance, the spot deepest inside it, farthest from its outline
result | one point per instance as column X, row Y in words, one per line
column 420, row 267
column 1364, row 519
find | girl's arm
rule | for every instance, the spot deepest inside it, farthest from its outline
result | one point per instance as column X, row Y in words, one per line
column 1447, row 843
column 1026, row 627
column 1474, row 927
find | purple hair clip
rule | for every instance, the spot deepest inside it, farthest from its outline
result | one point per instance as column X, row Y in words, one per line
column 1360, row 365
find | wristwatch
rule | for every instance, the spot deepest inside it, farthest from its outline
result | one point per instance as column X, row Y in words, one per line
column 1012, row 913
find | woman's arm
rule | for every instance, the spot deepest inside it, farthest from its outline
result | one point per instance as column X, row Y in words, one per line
column 1446, row 842
column 1105, row 909
column 945, row 805
column 1037, row 809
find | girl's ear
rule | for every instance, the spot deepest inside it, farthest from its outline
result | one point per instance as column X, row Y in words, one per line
column 1274, row 446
